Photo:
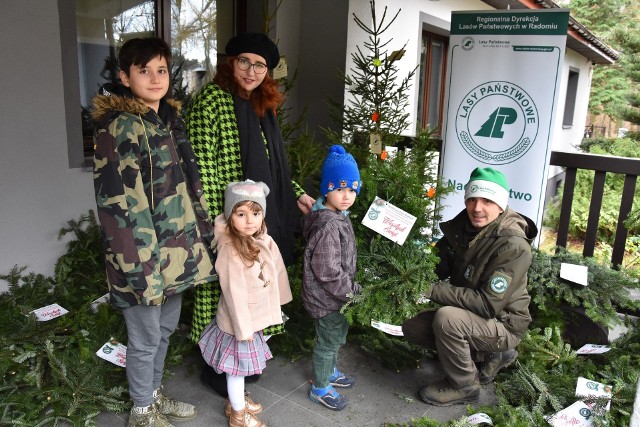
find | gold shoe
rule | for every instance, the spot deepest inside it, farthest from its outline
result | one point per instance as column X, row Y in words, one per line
column 244, row 418
column 250, row 406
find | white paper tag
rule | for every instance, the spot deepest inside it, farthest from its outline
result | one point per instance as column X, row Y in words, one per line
column 99, row 301
column 592, row 349
column 589, row 388
column 576, row 415
column 49, row 312
column 387, row 328
column 479, row 418
column 375, row 143
column 574, row 273
column 114, row 352
column 281, row 69
column 388, row 220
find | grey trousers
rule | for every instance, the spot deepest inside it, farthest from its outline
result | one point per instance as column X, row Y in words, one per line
column 460, row 338
column 148, row 332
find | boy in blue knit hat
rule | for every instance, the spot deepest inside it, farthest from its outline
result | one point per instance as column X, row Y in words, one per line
column 329, row 272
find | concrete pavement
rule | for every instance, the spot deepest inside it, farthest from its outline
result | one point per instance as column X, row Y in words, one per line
column 380, row 395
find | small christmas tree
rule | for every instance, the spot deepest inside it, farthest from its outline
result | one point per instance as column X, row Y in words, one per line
column 394, row 277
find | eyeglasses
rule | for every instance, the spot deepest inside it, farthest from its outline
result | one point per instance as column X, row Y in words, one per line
column 244, row 64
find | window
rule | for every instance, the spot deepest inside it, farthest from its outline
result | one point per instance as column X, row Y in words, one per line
column 570, row 100
column 103, row 26
column 433, row 63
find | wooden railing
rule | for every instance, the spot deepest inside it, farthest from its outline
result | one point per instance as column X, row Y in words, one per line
column 629, row 167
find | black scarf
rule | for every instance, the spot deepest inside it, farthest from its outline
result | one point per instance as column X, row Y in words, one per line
column 273, row 169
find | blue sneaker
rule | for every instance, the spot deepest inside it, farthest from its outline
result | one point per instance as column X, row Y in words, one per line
column 338, row 379
column 328, row 397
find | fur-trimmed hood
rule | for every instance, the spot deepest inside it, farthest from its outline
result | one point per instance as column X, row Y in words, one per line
column 112, row 99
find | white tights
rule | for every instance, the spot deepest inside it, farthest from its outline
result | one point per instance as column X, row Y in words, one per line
column 235, row 388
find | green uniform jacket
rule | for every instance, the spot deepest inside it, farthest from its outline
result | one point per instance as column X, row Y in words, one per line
column 488, row 272
column 213, row 132
column 149, row 210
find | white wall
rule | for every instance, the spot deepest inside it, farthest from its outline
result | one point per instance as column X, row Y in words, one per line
column 567, row 138
column 39, row 190
column 416, row 15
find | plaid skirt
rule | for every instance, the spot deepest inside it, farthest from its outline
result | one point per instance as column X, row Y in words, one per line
column 224, row 353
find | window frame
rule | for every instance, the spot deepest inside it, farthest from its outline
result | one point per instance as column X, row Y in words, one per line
column 573, row 79
column 426, row 41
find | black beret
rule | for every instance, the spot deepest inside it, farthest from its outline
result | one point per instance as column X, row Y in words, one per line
column 257, row 43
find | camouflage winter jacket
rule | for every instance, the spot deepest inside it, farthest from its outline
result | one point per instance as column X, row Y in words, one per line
column 150, row 203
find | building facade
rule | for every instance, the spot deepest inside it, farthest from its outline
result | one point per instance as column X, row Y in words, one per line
column 56, row 54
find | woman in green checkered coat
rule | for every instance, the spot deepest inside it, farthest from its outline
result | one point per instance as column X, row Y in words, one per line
column 235, row 136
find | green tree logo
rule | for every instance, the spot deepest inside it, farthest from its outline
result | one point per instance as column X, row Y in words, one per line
column 507, row 133
column 492, row 128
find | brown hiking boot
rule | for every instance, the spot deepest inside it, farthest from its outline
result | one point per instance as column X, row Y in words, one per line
column 147, row 417
column 173, row 409
column 493, row 362
column 250, row 406
column 443, row 393
column 244, row 418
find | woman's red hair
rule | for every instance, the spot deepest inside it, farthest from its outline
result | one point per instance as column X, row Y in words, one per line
column 265, row 97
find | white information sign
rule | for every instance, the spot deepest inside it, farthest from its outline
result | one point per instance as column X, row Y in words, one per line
column 502, row 90
column 389, row 220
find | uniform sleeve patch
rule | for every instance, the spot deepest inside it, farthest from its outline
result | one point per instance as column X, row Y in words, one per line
column 499, row 283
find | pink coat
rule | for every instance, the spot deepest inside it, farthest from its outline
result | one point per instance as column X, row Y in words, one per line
column 249, row 303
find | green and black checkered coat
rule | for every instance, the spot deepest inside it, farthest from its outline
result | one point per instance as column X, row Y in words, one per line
column 213, row 132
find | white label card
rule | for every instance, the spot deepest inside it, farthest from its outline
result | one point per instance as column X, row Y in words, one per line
column 588, row 388
column 49, row 312
column 574, row 273
column 592, row 349
column 577, row 415
column 114, row 352
column 387, row 328
column 479, row 418
column 99, row 301
column 389, row 220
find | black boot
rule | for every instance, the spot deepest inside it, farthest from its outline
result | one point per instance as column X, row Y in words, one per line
column 218, row 382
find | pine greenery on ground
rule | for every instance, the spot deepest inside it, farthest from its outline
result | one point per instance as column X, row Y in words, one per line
column 50, row 372
column 51, row 375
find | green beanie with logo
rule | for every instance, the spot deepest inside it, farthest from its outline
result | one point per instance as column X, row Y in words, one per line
column 488, row 183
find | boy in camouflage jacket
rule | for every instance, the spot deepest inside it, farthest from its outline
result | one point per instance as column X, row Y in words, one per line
column 153, row 215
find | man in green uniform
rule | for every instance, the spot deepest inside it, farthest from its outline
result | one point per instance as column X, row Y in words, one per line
column 485, row 253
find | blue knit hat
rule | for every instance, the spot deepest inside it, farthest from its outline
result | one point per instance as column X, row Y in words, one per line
column 339, row 170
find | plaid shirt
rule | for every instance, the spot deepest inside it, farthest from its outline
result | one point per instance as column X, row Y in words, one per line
column 329, row 262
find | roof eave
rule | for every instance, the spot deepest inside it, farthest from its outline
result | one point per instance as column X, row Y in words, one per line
column 579, row 38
